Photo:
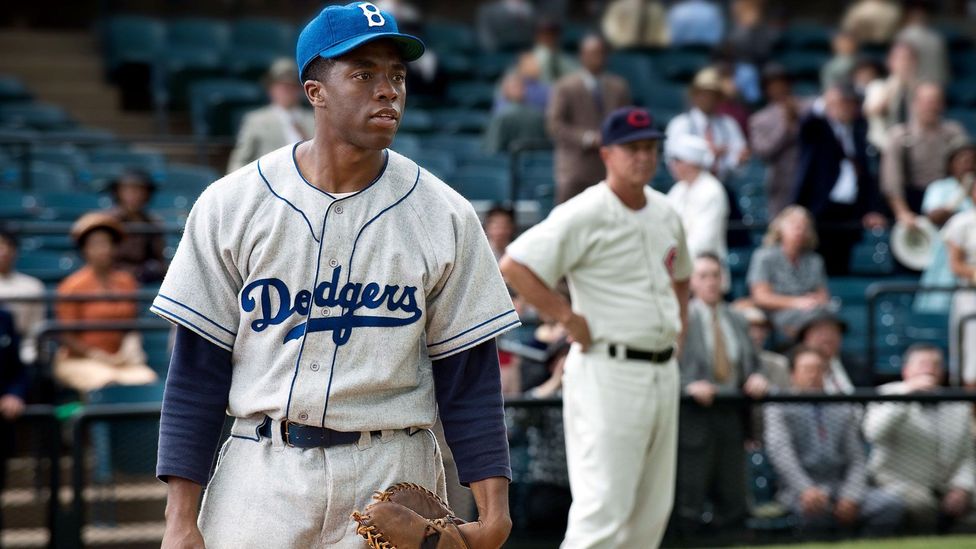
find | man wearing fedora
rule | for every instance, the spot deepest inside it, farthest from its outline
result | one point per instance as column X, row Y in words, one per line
column 720, row 131
column 282, row 122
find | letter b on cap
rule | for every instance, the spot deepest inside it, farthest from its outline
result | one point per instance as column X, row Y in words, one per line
column 373, row 15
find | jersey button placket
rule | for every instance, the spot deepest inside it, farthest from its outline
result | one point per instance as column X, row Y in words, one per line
column 333, row 263
column 338, row 210
column 314, row 366
column 303, row 416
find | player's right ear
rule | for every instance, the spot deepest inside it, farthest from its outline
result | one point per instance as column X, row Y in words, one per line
column 315, row 93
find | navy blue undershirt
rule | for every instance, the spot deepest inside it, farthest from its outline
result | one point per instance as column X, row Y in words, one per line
column 467, row 387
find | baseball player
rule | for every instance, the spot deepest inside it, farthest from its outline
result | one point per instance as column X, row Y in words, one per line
column 332, row 297
column 623, row 250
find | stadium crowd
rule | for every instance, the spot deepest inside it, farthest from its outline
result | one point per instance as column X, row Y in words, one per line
column 868, row 150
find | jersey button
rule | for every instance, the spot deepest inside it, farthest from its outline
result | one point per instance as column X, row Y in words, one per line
column 303, row 416
column 338, row 209
column 333, row 263
column 326, row 312
column 314, row 366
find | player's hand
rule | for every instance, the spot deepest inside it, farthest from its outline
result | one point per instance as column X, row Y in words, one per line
column 11, row 406
column 182, row 535
column 814, row 501
column 956, row 502
column 846, row 511
column 578, row 330
column 486, row 534
column 756, row 386
column 702, row 391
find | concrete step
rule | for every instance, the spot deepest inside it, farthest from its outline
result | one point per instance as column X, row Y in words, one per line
column 121, row 503
column 24, row 538
column 49, row 42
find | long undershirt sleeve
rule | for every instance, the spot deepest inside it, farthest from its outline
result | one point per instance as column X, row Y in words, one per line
column 194, row 407
column 469, row 400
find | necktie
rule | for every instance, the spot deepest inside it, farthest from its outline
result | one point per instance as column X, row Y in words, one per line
column 722, row 368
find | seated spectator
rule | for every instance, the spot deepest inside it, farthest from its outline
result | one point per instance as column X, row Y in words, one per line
column 282, row 122
column 139, row 253
column 817, row 453
column 13, row 392
column 717, row 357
column 774, row 135
column 553, row 63
column 505, row 24
column 786, row 277
column 733, row 103
column 833, row 180
column 838, row 70
column 500, row 229
column 773, row 366
column 872, row 21
column 923, row 453
column 90, row 360
column 943, row 199
column 27, row 315
column 515, row 120
column 695, row 23
column 929, row 44
column 825, row 333
column 635, row 24
column 887, row 103
column 916, row 153
column 698, row 197
column 960, row 239
column 720, row 131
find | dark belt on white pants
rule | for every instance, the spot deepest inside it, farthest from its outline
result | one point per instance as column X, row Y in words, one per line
column 619, row 350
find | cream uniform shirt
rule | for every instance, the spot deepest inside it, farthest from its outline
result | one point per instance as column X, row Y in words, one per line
column 620, row 264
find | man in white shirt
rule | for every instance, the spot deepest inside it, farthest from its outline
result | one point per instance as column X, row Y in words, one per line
column 623, row 250
column 720, row 131
column 699, row 198
column 26, row 315
column 282, row 122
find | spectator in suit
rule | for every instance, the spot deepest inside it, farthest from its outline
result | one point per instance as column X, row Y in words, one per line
column 695, row 23
column 635, row 24
column 717, row 357
column 13, row 392
column 833, row 179
column 929, row 44
column 722, row 132
column 505, row 24
column 872, row 21
column 786, row 276
column 282, row 122
column 917, row 152
column 773, row 366
column 825, row 333
column 577, row 108
column 90, row 360
column 774, row 134
column 887, row 103
column 139, row 253
column 27, row 315
column 514, row 120
column 923, row 453
column 817, row 453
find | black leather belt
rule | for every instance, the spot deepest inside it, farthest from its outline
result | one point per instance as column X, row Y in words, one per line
column 647, row 356
column 308, row 436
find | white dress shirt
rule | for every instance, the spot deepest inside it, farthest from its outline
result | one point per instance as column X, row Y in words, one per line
column 724, row 131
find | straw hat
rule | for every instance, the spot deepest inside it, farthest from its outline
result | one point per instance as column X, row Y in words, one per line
column 95, row 220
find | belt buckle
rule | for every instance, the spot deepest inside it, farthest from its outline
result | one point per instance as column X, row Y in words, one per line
column 285, row 435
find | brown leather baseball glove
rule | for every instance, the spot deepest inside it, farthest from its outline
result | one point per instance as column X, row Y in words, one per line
column 409, row 516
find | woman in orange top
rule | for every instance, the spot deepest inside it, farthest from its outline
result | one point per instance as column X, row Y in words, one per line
column 91, row 360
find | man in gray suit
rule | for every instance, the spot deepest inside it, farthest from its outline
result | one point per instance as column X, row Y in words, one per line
column 717, row 357
column 282, row 122
column 819, row 458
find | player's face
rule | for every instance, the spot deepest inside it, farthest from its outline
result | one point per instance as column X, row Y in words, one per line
column 808, row 372
column 633, row 163
column 364, row 95
column 706, row 281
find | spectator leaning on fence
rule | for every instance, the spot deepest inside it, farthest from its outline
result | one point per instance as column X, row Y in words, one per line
column 818, row 455
column 923, row 452
column 27, row 315
column 960, row 239
column 140, row 253
column 90, row 360
column 717, row 358
column 786, row 277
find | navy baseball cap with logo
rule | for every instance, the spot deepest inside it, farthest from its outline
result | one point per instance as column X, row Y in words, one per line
column 337, row 30
column 629, row 124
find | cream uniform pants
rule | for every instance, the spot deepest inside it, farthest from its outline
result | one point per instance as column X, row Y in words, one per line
column 621, row 422
column 265, row 494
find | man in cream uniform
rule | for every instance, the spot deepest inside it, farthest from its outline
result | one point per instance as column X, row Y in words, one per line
column 623, row 250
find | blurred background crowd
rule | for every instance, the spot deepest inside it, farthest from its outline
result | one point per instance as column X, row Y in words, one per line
column 821, row 158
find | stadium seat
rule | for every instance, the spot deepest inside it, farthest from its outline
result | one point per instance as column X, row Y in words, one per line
column 212, row 103
column 490, row 65
column 460, row 120
column 962, row 93
column 871, row 259
column 38, row 116
column 850, row 290
column 124, row 446
column 198, row 33
column 477, row 184
column 963, row 62
column 471, row 95
column 639, row 72
column 132, row 39
column 416, row 121
column 445, row 36
column 497, row 163
column 44, row 177
column 461, row 146
column 181, row 66
column 664, row 99
column 257, row 33
column 167, row 201
column 803, row 64
column 69, row 206
column 455, row 64
column 68, row 156
column 48, row 265
column 965, row 117
column 12, row 90
column 806, row 35
column 156, row 345
column 188, row 179
column 250, row 64
column 60, row 243
column 406, row 144
column 82, row 136
column 738, row 260
column 681, row 65
column 16, row 204
column 440, row 163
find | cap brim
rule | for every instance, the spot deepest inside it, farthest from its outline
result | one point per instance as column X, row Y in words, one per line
column 649, row 133
column 411, row 47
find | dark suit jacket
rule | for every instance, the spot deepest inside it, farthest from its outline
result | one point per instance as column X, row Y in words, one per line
column 573, row 111
column 13, row 378
column 818, row 167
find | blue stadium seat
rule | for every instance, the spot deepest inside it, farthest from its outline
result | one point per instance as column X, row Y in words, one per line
column 851, row 290
column 68, row 206
column 803, row 64
column 16, row 204
column 147, row 160
column 48, row 265
column 82, row 136
column 44, row 177
column 416, row 121
column 681, row 65
column 198, row 33
column 250, row 64
column 163, row 201
column 440, row 163
column 132, row 39
column 665, row 98
column 181, row 66
column 455, row 64
column 406, row 144
column 124, row 446
column 189, row 179
column 461, row 146
column 871, row 259
column 38, row 116
column 490, row 65
column 212, row 102
column 156, row 345
column 460, row 120
column 65, row 155
column 965, row 117
column 963, row 62
column 807, row 35
column 471, row 95
column 444, row 35
column 477, row 184
column 639, row 72
column 498, row 163
column 12, row 90
column 962, row 93
column 257, row 33
column 738, row 261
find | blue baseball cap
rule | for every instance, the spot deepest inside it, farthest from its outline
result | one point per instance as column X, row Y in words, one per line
column 337, row 30
column 628, row 124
